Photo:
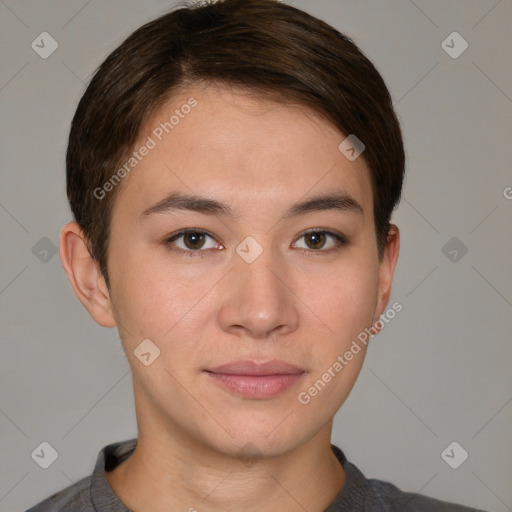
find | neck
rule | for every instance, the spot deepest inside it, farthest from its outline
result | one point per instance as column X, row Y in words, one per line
column 163, row 475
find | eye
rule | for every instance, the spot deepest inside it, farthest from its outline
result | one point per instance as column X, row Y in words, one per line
column 316, row 240
column 193, row 240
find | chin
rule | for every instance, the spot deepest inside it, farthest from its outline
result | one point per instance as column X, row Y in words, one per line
column 249, row 441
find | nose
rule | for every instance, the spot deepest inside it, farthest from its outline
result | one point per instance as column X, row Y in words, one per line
column 258, row 300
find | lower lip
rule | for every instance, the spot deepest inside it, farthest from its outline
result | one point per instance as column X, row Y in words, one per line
column 256, row 386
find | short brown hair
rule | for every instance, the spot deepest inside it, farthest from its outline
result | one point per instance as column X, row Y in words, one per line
column 262, row 45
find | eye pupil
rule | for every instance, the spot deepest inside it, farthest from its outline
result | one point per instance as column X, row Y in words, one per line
column 318, row 239
column 195, row 238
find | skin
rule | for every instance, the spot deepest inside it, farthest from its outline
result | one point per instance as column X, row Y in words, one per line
column 295, row 303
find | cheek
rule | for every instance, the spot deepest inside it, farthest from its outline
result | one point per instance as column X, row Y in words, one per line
column 149, row 298
column 344, row 299
column 336, row 356
column 154, row 296
column 356, row 296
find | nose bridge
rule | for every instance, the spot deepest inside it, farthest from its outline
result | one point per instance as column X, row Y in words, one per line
column 259, row 299
column 258, row 265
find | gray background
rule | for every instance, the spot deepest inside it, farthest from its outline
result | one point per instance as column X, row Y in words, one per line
column 439, row 372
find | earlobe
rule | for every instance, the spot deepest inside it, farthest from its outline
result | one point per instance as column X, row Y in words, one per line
column 84, row 274
column 386, row 273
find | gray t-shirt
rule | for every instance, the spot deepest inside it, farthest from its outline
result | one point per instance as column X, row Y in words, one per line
column 359, row 494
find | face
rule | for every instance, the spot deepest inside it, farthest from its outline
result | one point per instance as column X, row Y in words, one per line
column 254, row 281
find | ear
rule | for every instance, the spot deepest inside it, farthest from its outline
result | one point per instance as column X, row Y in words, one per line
column 84, row 274
column 386, row 273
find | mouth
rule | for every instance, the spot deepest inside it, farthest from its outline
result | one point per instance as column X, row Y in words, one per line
column 251, row 379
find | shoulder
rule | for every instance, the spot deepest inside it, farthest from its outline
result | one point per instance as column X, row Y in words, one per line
column 93, row 492
column 72, row 498
column 361, row 494
column 389, row 498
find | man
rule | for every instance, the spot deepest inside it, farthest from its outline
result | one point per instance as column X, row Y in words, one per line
column 232, row 170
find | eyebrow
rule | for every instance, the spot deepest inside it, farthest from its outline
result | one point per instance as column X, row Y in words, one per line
column 340, row 201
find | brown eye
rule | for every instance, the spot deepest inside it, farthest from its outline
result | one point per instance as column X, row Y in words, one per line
column 315, row 239
column 194, row 240
column 318, row 241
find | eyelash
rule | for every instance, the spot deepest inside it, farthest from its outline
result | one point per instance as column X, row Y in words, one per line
column 340, row 239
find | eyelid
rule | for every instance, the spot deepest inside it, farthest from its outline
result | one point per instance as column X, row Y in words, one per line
column 340, row 239
column 183, row 232
column 331, row 232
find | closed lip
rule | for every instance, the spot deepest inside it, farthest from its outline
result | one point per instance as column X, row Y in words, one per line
column 274, row 367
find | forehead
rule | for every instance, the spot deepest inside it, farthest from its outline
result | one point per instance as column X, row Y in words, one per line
column 242, row 147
